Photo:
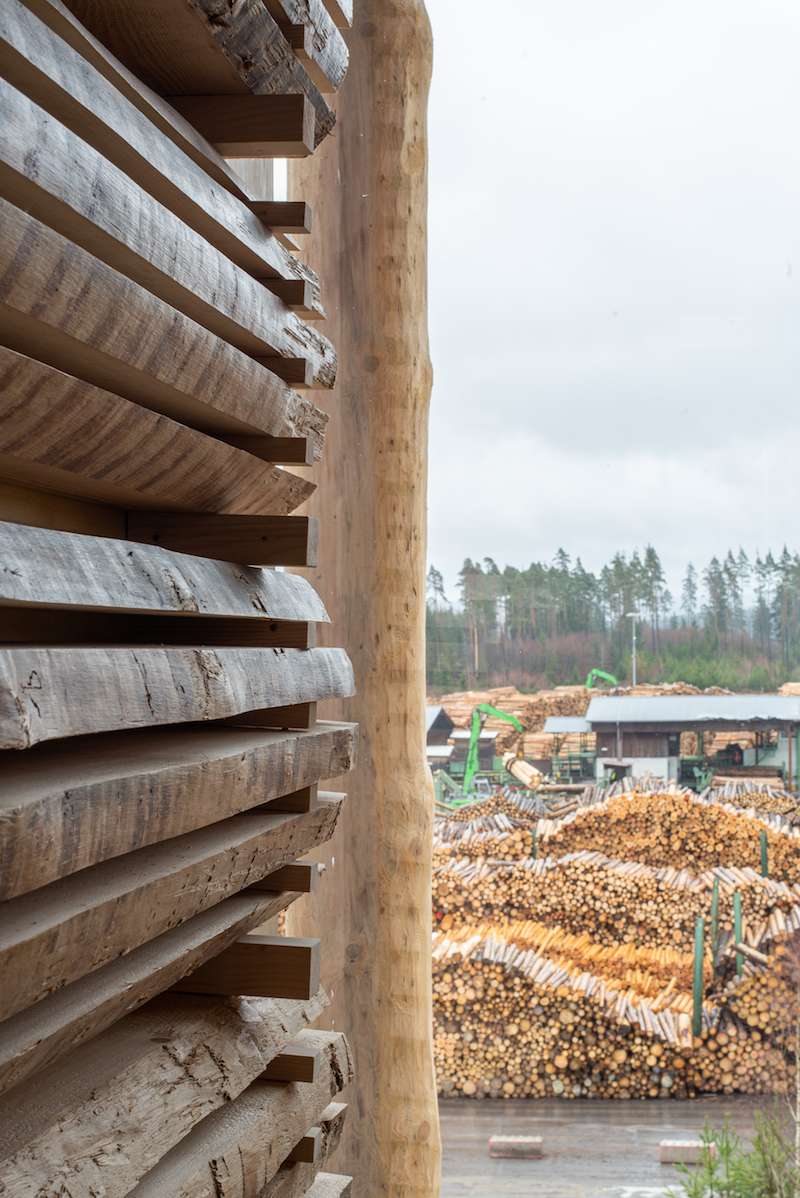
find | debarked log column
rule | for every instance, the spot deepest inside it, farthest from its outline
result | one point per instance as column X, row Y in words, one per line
column 368, row 188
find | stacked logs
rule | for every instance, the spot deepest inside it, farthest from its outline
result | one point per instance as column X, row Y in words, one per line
column 571, row 973
column 503, row 1032
column 660, row 829
column 757, row 798
column 616, row 902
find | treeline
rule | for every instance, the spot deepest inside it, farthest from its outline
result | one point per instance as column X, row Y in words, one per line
column 736, row 622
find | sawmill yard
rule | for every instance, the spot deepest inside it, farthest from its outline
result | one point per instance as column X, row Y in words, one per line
column 621, row 941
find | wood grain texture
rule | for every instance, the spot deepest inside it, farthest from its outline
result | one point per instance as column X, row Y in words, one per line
column 341, row 11
column 330, row 1185
column 270, row 966
column 234, row 1152
column 61, row 305
column 103, row 574
column 295, row 1180
column 63, row 931
column 35, row 60
column 109, row 1111
column 252, row 126
column 48, row 693
column 66, row 435
column 246, row 52
column 371, row 503
column 295, row 1063
column 69, row 804
column 301, row 876
column 324, row 51
column 45, row 1032
column 55, row 176
column 56, row 15
column 267, row 541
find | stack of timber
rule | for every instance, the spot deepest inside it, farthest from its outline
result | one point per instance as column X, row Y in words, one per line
column 568, row 971
column 159, row 681
column 530, row 710
column 756, row 797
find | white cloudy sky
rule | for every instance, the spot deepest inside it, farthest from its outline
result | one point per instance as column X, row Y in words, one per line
column 614, row 273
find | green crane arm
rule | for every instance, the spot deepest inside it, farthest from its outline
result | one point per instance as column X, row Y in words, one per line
column 599, row 674
column 478, row 720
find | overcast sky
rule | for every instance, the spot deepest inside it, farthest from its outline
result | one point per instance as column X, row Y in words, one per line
column 614, row 271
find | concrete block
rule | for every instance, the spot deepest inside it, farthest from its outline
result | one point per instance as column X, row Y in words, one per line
column 686, row 1152
column 526, row 1147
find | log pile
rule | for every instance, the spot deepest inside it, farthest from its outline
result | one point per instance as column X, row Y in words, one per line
column 158, row 678
column 571, row 972
column 659, row 829
column 530, row 710
column 756, row 797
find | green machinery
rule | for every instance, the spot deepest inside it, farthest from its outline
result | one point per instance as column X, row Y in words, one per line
column 599, row 674
column 478, row 720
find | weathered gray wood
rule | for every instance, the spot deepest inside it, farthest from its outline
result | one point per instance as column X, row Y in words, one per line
column 57, row 17
column 63, row 931
column 107, row 1113
column 102, row 574
column 47, row 693
column 51, row 173
column 295, row 1180
column 59, row 432
column 270, row 966
column 61, row 305
column 193, row 53
column 341, row 11
column 45, row 1032
column 69, row 804
column 267, row 541
column 252, row 126
column 235, row 1151
column 324, row 51
column 60, row 79
column 328, row 1185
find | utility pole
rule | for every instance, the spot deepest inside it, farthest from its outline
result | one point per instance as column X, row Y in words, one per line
column 633, row 616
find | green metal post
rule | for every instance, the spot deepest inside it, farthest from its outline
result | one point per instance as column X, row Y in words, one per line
column 737, row 930
column 697, row 1015
column 534, row 850
column 715, row 924
column 764, row 855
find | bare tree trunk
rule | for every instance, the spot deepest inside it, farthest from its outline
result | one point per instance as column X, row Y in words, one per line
column 367, row 186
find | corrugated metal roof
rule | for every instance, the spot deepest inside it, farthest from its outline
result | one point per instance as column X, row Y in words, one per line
column 681, row 709
column 440, row 750
column 458, row 734
column 567, row 723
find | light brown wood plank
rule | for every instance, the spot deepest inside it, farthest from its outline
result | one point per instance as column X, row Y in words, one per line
column 309, row 1149
column 283, row 216
column 245, row 1142
column 295, row 715
column 59, row 627
column 66, row 805
column 329, row 1185
column 45, row 1032
column 69, row 436
column 43, row 509
column 271, row 541
column 50, row 693
column 251, row 126
column 297, row 1062
column 296, row 294
column 302, row 876
column 146, row 1081
column 284, row 451
column 61, row 305
column 63, row 931
column 34, row 59
column 269, row 966
column 296, row 1180
column 54, row 175
column 113, row 575
column 341, row 11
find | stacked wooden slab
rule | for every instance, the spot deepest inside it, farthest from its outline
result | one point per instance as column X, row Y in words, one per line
column 159, row 742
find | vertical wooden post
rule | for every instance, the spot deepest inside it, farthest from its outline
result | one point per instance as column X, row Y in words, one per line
column 367, row 186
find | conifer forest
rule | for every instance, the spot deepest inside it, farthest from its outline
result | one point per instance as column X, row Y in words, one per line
column 735, row 622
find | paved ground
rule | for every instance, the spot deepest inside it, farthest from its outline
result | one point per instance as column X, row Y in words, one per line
column 591, row 1147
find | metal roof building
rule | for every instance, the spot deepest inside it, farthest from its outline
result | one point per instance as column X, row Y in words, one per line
column 693, row 713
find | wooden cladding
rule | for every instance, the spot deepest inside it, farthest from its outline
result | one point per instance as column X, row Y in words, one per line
column 159, row 678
